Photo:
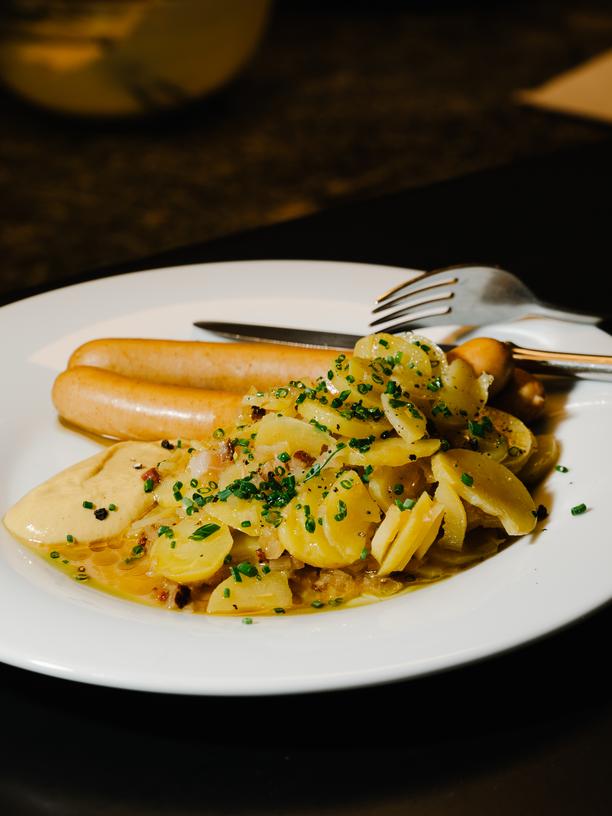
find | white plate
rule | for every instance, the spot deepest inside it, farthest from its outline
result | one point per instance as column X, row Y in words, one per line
column 53, row 625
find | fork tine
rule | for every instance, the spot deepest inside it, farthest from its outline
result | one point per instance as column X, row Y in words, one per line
column 419, row 276
column 409, row 309
column 394, row 289
column 416, row 291
column 409, row 324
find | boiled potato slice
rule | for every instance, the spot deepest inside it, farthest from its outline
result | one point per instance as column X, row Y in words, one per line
column 386, row 532
column 263, row 594
column 489, row 486
column 455, row 518
column 336, row 423
column 384, row 484
column 417, row 532
column 408, row 421
column 540, row 460
column 384, row 345
column 521, row 442
column 309, row 545
column 348, row 515
column 186, row 560
column 241, row 514
column 293, row 433
column 393, row 452
column 462, row 395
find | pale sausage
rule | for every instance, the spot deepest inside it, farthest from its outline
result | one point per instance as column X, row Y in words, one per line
column 215, row 366
column 121, row 407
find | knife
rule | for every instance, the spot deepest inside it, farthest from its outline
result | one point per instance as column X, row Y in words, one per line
column 556, row 363
column 306, row 338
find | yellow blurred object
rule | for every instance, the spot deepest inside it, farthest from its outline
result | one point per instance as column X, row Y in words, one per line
column 126, row 58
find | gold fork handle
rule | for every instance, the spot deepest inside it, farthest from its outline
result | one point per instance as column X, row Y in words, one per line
column 564, row 363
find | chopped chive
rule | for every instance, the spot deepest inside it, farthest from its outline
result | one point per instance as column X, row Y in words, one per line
column 236, row 574
column 112, row 507
column 54, row 554
column 342, row 511
column 398, row 489
column 193, row 483
column 89, row 505
column 467, row 479
column 317, row 604
column 406, row 504
column 204, row 531
column 346, row 484
column 247, row 569
column 148, row 485
column 279, row 610
column 219, row 433
column 562, row 469
column 226, row 592
column 248, row 621
column 70, row 538
column 383, row 342
column 364, row 554
column 227, row 559
column 245, row 523
column 283, row 457
column 310, row 524
column 579, row 509
column 177, row 493
column 266, row 569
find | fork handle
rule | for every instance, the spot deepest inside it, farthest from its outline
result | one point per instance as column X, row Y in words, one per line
column 564, row 363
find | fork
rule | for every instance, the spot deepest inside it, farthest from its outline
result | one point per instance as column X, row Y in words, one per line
column 464, row 295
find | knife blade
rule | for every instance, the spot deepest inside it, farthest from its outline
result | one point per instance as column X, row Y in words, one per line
column 538, row 361
column 306, row 338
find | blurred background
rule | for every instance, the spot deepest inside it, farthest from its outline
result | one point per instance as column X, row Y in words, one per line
column 128, row 127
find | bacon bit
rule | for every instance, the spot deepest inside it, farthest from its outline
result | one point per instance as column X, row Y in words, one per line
column 152, row 474
column 304, row 457
column 182, row 596
column 257, row 412
column 261, row 556
column 143, row 540
column 161, row 595
column 226, row 451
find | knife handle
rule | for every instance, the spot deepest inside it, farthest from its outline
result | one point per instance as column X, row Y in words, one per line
column 564, row 363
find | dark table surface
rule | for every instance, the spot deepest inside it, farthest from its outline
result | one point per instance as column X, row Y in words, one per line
column 344, row 100
column 527, row 732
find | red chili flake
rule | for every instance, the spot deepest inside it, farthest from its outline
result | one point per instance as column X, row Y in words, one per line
column 152, row 474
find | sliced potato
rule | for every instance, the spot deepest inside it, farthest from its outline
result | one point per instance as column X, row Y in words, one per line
column 408, row 421
column 241, row 514
column 455, row 518
column 387, row 484
column 186, row 560
column 489, row 486
column 336, row 423
column 541, row 460
column 393, row 452
column 386, row 532
column 520, row 440
column 262, row 594
column 348, row 515
column 417, row 532
column 294, row 433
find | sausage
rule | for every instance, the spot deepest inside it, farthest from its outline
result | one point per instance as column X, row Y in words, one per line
column 196, row 364
column 487, row 355
column 121, row 407
column 524, row 396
